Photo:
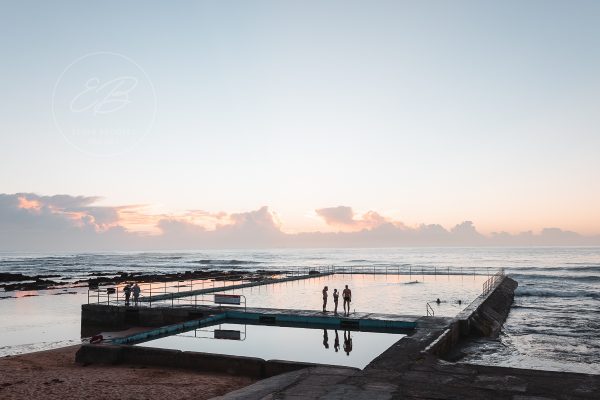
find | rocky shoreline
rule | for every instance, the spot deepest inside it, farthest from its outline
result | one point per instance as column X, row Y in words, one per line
column 11, row 282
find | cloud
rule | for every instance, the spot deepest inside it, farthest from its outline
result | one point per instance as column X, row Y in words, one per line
column 337, row 216
column 20, row 210
column 241, row 230
column 344, row 218
column 30, row 222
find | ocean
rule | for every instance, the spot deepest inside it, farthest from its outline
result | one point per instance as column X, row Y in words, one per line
column 554, row 322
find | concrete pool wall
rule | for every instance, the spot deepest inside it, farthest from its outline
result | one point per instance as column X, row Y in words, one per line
column 234, row 365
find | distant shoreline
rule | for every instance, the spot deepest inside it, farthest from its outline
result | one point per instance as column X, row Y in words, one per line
column 20, row 282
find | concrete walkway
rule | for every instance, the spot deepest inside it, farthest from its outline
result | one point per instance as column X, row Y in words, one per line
column 428, row 379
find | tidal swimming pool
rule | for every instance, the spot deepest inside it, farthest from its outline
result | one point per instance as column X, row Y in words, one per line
column 371, row 293
column 322, row 346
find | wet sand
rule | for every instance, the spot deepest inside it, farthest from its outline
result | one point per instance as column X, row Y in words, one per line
column 53, row 374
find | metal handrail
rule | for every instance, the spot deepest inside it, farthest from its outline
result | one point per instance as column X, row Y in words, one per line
column 493, row 281
column 100, row 294
column 430, row 312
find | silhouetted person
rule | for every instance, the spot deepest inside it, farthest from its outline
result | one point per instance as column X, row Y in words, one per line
column 459, row 302
column 336, row 297
column 127, row 291
column 438, row 300
column 325, row 289
column 136, row 293
column 347, row 343
column 347, row 295
column 336, row 343
column 325, row 339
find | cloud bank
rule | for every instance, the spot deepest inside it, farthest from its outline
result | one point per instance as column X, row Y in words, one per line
column 30, row 222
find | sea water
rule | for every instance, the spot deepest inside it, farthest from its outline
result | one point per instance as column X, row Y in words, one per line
column 554, row 323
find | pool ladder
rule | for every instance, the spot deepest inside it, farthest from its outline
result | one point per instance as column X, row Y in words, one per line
column 430, row 312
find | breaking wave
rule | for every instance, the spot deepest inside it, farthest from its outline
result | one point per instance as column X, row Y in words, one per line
column 533, row 292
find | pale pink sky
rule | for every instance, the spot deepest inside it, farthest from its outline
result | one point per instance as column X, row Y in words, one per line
column 420, row 112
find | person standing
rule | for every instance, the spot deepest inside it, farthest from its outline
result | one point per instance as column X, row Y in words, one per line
column 347, row 295
column 336, row 297
column 325, row 289
column 136, row 293
column 127, row 292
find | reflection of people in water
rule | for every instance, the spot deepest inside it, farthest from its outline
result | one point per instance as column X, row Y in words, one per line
column 336, row 343
column 347, row 343
column 325, row 339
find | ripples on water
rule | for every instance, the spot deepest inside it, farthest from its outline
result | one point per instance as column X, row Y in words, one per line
column 554, row 323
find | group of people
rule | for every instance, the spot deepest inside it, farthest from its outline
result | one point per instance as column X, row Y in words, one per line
column 346, row 295
column 128, row 290
column 336, row 343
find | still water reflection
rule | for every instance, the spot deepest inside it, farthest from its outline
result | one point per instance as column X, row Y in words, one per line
column 283, row 343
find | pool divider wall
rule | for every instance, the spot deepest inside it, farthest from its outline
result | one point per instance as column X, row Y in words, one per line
column 376, row 322
column 233, row 365
column 169, row 330
column 261, row 318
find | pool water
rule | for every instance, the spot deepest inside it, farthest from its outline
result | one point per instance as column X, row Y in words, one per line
column 322, row 346
column 372, row 293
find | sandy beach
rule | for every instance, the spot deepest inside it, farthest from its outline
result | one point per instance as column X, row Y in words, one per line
column 53, row 374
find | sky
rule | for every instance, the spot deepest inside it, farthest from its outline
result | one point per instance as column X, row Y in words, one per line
column 340, row 118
